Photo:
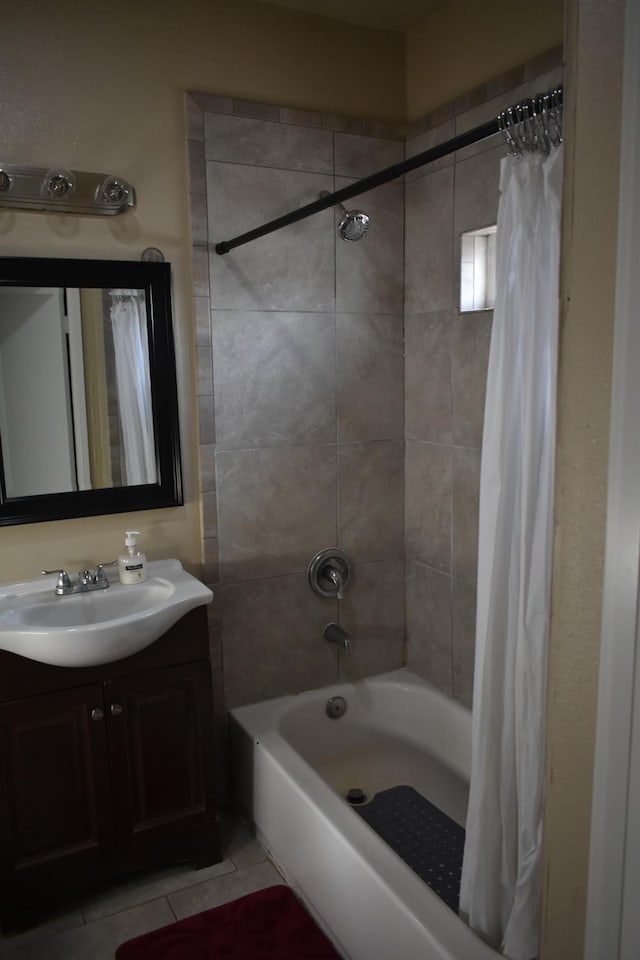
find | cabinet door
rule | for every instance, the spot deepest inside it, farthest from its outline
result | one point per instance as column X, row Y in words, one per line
column 160, row 736
column 55, row 803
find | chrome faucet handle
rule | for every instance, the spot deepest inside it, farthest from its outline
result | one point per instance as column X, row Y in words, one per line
column 63, row 584
column 99, row 574
column 334, row 577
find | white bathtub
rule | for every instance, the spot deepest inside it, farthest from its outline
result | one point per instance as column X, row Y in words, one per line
column 292, row 766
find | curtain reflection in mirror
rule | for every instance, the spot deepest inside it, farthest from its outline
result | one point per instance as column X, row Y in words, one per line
column 129, row 328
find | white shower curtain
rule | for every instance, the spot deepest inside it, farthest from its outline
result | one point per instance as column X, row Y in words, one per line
column 129, row 327
column 500, row 891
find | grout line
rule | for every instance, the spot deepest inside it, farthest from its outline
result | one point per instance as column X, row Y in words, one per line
column 452, row 302
column 312, row 171
column 451, row 639
column 336, row 365
column 318, row 445
column 327, row 311
column 170, row 907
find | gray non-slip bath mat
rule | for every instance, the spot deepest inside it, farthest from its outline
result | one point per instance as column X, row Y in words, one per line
column 428, row 841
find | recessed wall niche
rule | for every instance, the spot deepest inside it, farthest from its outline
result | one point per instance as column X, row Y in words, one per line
column 478, row 269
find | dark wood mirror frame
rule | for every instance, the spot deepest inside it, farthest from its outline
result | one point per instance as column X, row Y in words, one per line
column 155, row 280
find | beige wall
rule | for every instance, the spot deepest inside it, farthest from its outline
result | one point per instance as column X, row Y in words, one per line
column 97, row 87
column 464, row 43
column 593, row 84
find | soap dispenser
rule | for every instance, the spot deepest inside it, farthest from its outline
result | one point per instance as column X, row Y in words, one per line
column 132, row 566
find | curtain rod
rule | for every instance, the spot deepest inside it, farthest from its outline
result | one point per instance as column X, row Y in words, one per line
column 393, row 172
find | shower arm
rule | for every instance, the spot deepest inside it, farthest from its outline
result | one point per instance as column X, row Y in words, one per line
column 389, row 173
column 361, row 186
column 336, row 203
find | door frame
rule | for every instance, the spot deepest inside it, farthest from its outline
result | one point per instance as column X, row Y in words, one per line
column 613, row 921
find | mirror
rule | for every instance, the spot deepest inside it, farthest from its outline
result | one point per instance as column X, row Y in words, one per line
column 88, row 399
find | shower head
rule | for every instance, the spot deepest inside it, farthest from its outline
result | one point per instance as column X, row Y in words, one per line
column 353, row 224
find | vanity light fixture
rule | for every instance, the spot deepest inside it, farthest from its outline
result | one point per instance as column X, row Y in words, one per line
column 64, row 191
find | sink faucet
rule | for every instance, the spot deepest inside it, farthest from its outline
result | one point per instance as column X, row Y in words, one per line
column 334, row 633
column 84, row 581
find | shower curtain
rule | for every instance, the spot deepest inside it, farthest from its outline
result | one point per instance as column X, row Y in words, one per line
column 129, row 327
column 500, row 891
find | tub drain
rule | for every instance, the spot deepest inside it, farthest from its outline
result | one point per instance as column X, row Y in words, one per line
column 355, row 796
column 336, row 707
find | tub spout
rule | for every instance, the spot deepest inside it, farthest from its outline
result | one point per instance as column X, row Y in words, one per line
column 334, row 633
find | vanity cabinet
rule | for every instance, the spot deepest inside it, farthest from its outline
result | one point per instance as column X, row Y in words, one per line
column 105, row 769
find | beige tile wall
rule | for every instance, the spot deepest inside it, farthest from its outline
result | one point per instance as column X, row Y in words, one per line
column 321, row 420
column 301, row 409
column 445, row 379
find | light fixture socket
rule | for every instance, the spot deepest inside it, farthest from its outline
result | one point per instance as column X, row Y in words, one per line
column 59, row 183
column 115, row 190
column 6, row 181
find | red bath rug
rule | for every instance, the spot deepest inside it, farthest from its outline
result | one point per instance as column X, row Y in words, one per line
column 267, row 925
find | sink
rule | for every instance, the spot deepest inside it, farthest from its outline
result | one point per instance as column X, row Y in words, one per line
column 86, row 629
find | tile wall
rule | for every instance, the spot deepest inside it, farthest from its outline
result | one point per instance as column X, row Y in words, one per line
column 315, row 430
column 445, row 377
column 300, row 393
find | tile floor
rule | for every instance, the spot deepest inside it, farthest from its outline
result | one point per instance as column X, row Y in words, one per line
column 92, row 928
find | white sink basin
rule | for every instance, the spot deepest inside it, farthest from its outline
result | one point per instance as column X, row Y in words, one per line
column 86, row 629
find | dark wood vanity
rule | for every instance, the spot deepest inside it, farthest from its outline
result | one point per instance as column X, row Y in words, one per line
column 105, row 770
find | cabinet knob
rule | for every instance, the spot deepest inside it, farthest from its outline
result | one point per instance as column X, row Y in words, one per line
column 116, row 710
column 97, row 714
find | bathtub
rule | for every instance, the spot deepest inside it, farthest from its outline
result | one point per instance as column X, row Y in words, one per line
column 292, row 767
